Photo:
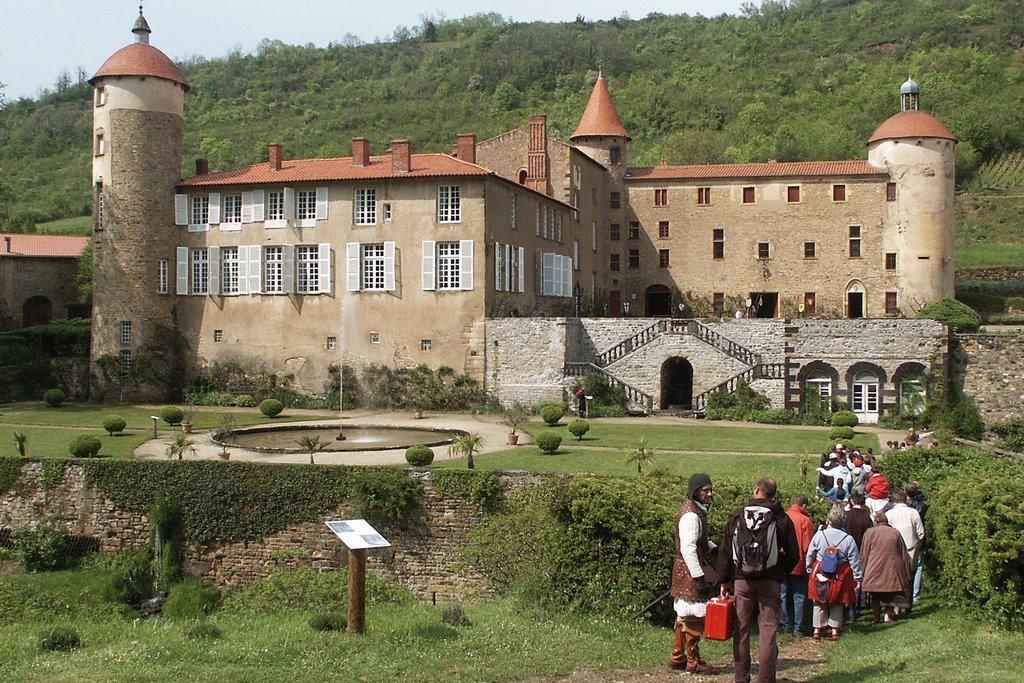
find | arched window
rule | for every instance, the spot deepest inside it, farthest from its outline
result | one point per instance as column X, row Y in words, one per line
column 819, row 384
column 913, row 392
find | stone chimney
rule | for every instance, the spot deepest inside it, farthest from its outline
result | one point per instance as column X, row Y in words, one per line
column 276, row 156
column 537, row 154
column 401, row 153
column 465, row 148
column 202, row 166
column 360, row 152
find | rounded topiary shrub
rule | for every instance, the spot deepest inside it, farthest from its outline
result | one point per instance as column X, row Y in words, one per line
column 549, row 441
column 191, row 599
column 419, row 455
column 328, row 621
column 956, row 314
column 841, row 433
column 85, row 446
column 578, row 428
column 60, row 639
column 551, row 414
column 54, row 397
column 114, row 423
column 271, row 407
column 172, row 415
column 845, row 418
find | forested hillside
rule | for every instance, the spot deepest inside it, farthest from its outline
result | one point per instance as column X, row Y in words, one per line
column 807, row 79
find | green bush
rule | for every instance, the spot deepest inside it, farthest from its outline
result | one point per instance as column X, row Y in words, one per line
column 578, row 428
column 40, row 549
column 54, row 398
column 549, row 441
column 131, row 577
column 245, row 401
column 960, row 419
column 328, row 621
column 114, row 423
column 774, row 416
column 271, row 407
column 204, row 630
column 845, row 418
column 552, row 414
column 85, row 446
column 304, row 588
column 841, row 433
column 172, row 415
column 60, row 639
column 1011, row 434
column 419, row 455
column 959, row 316
column 191, row 599
column 739, row 405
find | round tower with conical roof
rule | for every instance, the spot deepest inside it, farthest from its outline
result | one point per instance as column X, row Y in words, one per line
column 138, row 125
column 919, row 153
column 601, row 135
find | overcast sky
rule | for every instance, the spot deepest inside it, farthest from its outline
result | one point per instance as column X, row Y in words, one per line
column 40, row 38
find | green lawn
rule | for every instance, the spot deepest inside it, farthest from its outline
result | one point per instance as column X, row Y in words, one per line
column 76, row 225
column 988, row 255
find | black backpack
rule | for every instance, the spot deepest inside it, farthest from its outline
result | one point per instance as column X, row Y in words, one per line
column 755, row 542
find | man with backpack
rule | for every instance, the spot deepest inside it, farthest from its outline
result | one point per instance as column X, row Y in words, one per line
column 759, row 547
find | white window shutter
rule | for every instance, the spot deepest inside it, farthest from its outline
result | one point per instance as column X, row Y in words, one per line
column 547, row 273
column 181, row 286
column 466, row 264
column 324, row 257
column 289, row 203
column 522, row 269
column 576, row 254
column 255, row 258
column 429, row 260
column 321, row 203
column 499, row 278
column 568, row 276
column 510, row 283
column 214, row 270
column 257, row 206
column 389, row 267
column 288, row 268
column 243, row 270
column 181, row 209
column 214, row 215
column 352, row 266
column 247, row 207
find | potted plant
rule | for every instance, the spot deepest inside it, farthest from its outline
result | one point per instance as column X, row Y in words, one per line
column 514, row 418
column 225, row 430
column 186, row 419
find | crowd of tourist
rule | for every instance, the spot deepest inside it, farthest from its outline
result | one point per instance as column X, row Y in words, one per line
column 786, row 573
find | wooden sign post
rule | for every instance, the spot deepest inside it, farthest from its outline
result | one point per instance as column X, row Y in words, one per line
column 358, row 536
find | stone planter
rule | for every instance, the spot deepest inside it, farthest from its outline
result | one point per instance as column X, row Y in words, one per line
column 186, row 427
column 513, row 439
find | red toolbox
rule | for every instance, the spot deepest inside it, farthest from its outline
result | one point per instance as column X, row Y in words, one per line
column 719, row 620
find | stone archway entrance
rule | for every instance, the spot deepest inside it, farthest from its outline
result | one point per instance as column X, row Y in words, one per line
column 657, row 301
column 676, row 384
column 36, row 311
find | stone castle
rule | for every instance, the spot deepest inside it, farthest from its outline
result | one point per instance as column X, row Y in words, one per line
column 524, row 261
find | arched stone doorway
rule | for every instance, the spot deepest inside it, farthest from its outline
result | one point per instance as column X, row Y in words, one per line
column 855, row 300
column 37, row 310
column 676, row 384
column 657, row 301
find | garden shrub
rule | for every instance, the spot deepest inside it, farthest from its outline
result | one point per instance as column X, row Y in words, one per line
column 192, row 598
column 739, row 405
column 454, row 615
column 85, row 446
column 608, row 401
column 271, row 407
column 549, row 441
column 245, row 401
column 114, row 423
column 204, row 630
column 54, row 398
column 40, row 549
column 60, row 639
column 131, row 579
column 168, row 526
column 774, row 416
column 328, row 621
column 961, row 419
column 1011, row 434
column 304, row 588
column 959, row 316
column 551, row 414
column 480, row 487
column 419, row 455
column 172, row 415
column 845, row 418
column 841, row 433
column 578, row 428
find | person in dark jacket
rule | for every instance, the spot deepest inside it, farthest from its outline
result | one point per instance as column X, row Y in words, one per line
column 757, row 594
column 858, row 521
column 917, row 500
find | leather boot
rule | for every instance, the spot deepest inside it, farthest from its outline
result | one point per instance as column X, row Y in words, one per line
column 694, row 664
column 678, row 660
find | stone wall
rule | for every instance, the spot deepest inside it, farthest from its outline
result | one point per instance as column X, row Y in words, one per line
column 993, row 378
column 526, row 359
column 423, row 557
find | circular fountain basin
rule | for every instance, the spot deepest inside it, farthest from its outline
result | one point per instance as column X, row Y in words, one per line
column 284, row 438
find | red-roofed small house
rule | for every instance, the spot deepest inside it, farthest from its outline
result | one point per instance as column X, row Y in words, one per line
column 37, row 279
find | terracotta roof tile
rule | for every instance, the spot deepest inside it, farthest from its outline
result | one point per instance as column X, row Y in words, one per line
column 771, row 169
column 911, row 124
column 341, row 168
column 600, row 117
column 140, row 59
column 42, row 245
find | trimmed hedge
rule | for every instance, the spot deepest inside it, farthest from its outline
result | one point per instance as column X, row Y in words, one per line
column 54, row 398
column 114, row 423
column 172, row 415
column 85, row 446
column 271, row 407
column 578, row 428
column 549, row 441
column 845, row 418
column 419, row 455
column 551, row 414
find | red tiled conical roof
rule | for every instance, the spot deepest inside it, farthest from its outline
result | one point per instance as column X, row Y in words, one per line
column 600, row 117
column 911, row 124
column 140, row 59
